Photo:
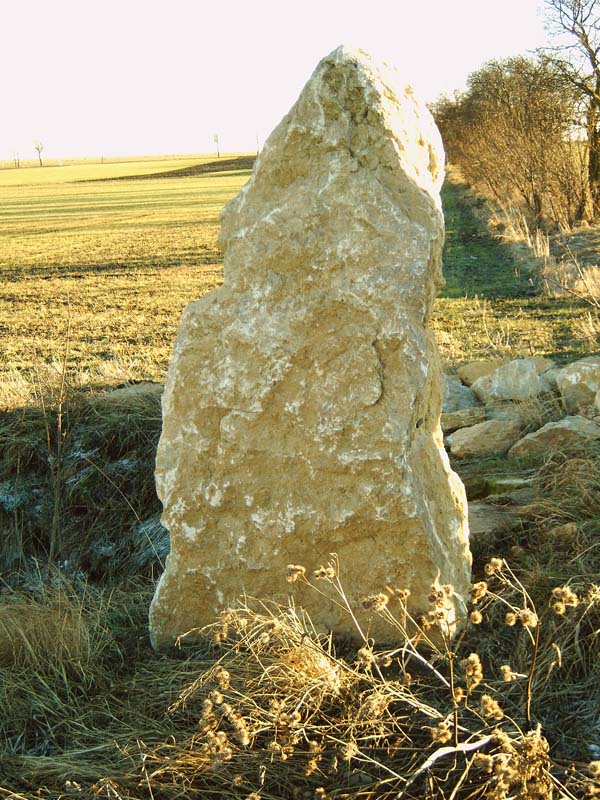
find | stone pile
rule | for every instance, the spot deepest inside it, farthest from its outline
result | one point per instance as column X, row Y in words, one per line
column 302, row 405
column 507, row 396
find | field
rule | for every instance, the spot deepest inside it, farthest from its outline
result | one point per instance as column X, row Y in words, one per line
column 111, row 261
column 97, row 262
column 98, row 270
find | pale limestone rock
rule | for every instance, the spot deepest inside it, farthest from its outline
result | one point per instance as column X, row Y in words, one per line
column 517, row 380
column 579, row 382
column 456, row 396
column 453, row 420
column 486, row 518
column 507, row 411
column 561, row 435
column 302, row 406
column 485, row 438
column 469, row 373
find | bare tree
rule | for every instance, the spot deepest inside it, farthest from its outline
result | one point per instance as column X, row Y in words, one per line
column 38, row 146
column 577, row 58
column 510, row 134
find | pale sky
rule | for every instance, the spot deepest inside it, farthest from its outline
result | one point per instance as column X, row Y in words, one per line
column 121, row 77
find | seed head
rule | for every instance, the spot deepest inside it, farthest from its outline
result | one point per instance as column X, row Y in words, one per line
column 594, row 769
column 478, row 591
column 528, row 618
column 490, row 708
column 440, row 734
column 476, row 617
column 493, row 566
column 375, row 602
column 295, row 571
column 324, row 573
column 473, row 671
column 566, row 595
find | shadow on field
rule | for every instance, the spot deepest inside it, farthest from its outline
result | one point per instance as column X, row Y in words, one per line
column 239, row 164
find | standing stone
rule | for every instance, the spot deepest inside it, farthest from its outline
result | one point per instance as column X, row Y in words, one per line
column 302, row 405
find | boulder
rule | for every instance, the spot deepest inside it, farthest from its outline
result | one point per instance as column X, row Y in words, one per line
column 517, row 380
column 562, row 435
column 579, row 383
column 457, row 396
column 302, row 405
column 453, row 420
column 485, row 438
column 469, row 373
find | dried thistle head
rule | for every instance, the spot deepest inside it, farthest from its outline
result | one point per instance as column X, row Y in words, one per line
column 441, row 733
column 473, row 671
column 593, row 769
column 528, row 618
column 510, row 618
column 324, row 573
column 493, row 566
column 566, row 596
column 401, row 595
column 476, row 617
column 365, row 657
column 294, row 572
column 490, row 708
column 507, row 673
column 375, row 602
column 222, row 677
column 478, row 591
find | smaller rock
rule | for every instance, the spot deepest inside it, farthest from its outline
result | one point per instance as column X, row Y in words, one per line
column 543, row 364
column 485, row 438
column 517, row 380
column 456, row 396
column 562, row 435
column 507, row 411
column 485, row 518
column 565, row 532
column 453, row 420
column 469, row 373
column 579, row 383
column 551, row 376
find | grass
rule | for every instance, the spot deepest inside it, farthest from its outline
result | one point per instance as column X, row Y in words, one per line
column 96, row 273
column 491, row 305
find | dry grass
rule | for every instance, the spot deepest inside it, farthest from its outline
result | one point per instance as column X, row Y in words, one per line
column 275, row 712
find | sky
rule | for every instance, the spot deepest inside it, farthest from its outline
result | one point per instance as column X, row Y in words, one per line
column 135, row 77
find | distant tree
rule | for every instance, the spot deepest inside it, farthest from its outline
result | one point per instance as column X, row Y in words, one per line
column 216, row 141
column 510, row 133
column 39, row 147
column 576, row 58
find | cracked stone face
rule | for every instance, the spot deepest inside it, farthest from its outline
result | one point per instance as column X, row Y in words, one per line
column 302, row 406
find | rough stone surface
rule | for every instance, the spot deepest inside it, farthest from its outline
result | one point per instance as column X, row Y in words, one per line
column 302, row 405
column 485, row 438
column 469, row 373
column 517, row 380
column 559, row 435
column 579, row 382
column 456, row 396
column 486, row 518
column 453, row 420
